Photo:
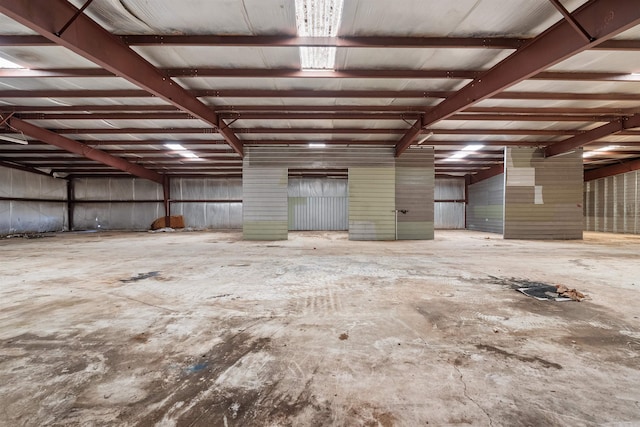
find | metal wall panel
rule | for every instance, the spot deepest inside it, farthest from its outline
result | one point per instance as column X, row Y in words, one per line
column 449, row 215
column 614, row 204
column 372, row 203
column 265, row 205
column 31, row 216
column 485, row 211
column 543, row 196
column 414, row 192
column 225, row 213
column 313, row 158
column 318, row 204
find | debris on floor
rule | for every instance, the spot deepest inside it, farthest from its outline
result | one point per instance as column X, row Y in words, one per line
column 574, row 294
column 541, row 291
column 175, row 221
column 141, row 276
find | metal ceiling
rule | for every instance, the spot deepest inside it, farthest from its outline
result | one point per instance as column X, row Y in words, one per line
column 126, row 77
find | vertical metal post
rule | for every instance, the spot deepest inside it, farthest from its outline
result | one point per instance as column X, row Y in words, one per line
column 70, row 202
column 166, row 191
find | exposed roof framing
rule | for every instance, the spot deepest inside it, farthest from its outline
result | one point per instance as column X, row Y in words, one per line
column 289, row 41
column 93, row 42
column 83, row 150
column 602, row 19
column 554, row 74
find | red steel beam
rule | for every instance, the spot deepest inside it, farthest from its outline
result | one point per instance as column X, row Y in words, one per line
column 289, row 41
column 224, row 109
column 253, row 93
column 89, row 40
column 623, row 167
column 602, row 19
column 304, row 74
column 611, row 128
column 83, row 150
column 486, row 174
column 306, row 130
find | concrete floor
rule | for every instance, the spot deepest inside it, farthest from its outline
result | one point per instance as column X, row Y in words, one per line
column 204, row 329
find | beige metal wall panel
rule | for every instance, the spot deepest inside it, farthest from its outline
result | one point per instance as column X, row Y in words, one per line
column 486, row 205
column 264, row 203
column 614, row 204
column 543, row 196
column 31, row 216
column 318, row 158
column 372, row 203
column 414, row 192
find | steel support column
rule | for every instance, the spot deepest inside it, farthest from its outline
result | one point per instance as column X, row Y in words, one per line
column 602, row 19
column 166, row 193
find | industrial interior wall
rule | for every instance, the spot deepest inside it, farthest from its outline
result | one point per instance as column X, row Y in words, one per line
column 415, row 175
column 134, row 203
column 371, row 194
column 31, row 203
column 372, row 201
column 543, row 196
column 449, row 204
column 612, row 204
column 209, row 203
column 486, row 205
column 264, row 203
column 318, row 204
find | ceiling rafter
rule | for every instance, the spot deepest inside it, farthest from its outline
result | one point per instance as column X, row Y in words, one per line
column 614, row 127
column 72, row 146
column 305, row 74
column 87, row 39
column 289, row 41
column 602, row 19
column 296, row 93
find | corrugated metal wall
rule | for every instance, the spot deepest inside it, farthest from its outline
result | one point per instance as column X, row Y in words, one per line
column 372, row 202
column 264, row 203
column 543, row 196
column 318, row 204
column 612, row 204
column 485, row 211
column 133, row 203
column 222, row 211
column 449, row 213
column 414, row 193
column 109, row 203
column 21, row 216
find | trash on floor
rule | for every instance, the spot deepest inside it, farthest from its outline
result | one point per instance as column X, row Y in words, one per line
column 175, row 221
column 544, row 292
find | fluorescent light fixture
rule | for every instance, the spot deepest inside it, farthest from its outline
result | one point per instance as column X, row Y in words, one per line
column 5, row 63
column 465, row 152
column 424, row 138
column 12, row 139
column 317, row 145
column 189, row 155
column 318, row 18
column 176, row 147
column 599, row 150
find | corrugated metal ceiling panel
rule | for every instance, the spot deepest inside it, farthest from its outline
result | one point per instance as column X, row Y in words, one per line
column 515, row 18
column 417, row 59
column 223, row 57
column 235, row 17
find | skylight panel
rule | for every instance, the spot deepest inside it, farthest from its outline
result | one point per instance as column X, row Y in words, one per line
column 318, row 18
